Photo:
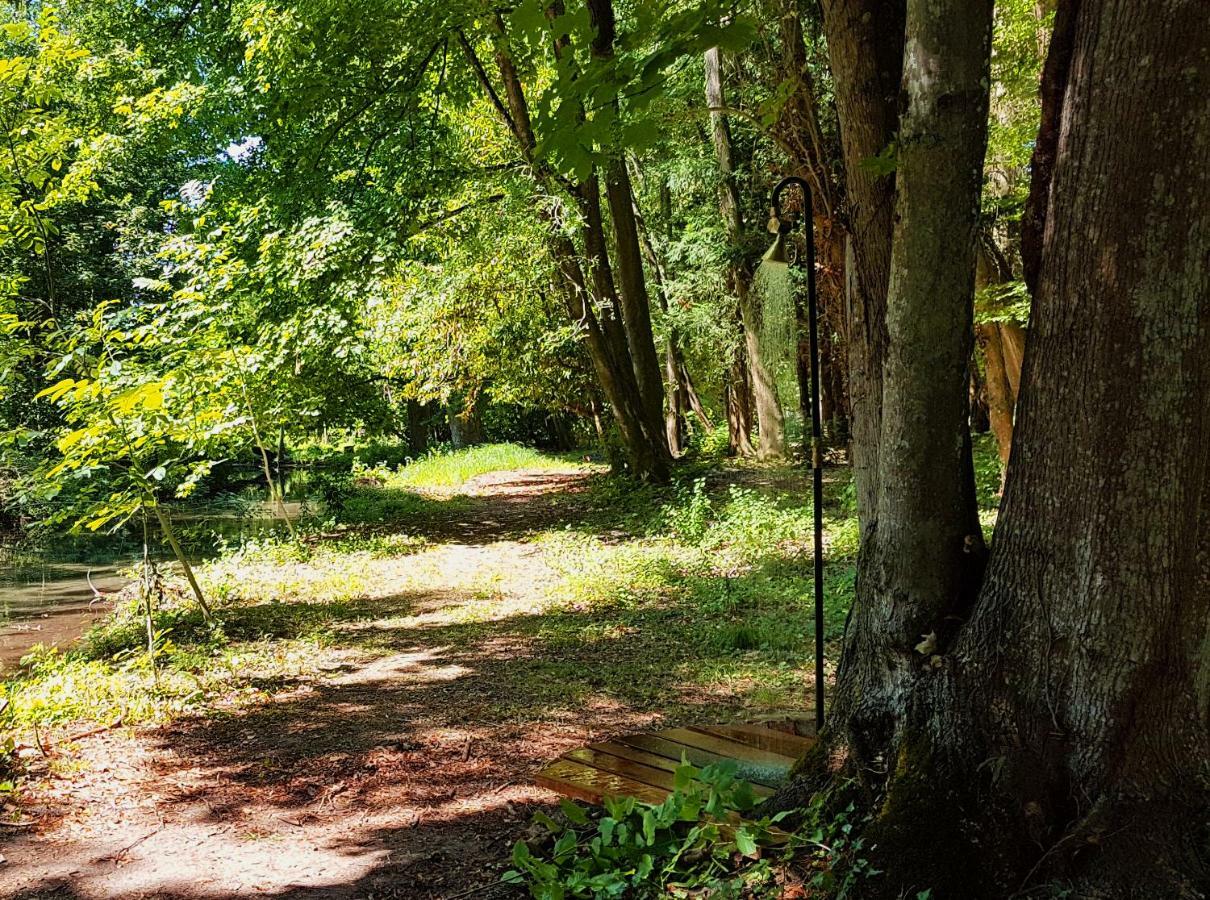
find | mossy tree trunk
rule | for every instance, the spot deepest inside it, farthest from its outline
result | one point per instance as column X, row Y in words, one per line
column 865, row 52
column 922, row 548
column 1060, row 741
column 1074, row 709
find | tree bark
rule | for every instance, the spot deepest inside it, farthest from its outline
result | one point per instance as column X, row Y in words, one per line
column 770, row 419
column 1001, row 391
column 1012, row 344
column 865, row 50
column 1055, row 73
column 1062, row 740
column 921, row 554
column 418, row 438
column 1084, row 671
column 738, row 400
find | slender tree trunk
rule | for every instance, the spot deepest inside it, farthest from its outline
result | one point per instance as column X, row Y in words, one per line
column 738, row 400
column 865, row 50
column 177, row 551
column 922, row 550
column 689, row 390
column 417, row 428
column 1012, row 345
column 1001, row 395
column 769, row 416
column 636, row 308
column 635, row 304
column 679, row 386
column 644, row 440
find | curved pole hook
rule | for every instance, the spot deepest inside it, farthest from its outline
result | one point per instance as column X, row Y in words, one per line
column 787, row 222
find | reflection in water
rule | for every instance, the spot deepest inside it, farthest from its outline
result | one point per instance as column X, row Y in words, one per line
column 45, row 597
column 54, row 609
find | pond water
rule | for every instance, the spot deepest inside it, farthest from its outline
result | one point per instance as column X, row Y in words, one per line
column 45, row 594
column 52, row 606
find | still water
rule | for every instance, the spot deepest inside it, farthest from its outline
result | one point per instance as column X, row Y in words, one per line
column 53, row 606
column 45, row 594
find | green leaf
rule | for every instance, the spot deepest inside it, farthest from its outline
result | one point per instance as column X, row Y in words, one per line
column 745, row 843
column 574, row 812
column 884, row 163
column 541, row 818
column 648, row 827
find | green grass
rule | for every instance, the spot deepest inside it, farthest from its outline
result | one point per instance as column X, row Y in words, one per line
column 698, row 592
column 453, row 469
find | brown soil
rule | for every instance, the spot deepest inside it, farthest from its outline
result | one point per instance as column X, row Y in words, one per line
column 389, row 775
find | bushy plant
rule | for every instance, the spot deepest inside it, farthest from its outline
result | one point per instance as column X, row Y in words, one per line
column 703, row 840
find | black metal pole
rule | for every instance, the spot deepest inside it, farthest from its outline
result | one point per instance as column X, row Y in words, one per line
column 785, row 225
column 816, row 466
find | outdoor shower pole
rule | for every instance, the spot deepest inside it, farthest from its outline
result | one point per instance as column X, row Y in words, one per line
column 785, row 226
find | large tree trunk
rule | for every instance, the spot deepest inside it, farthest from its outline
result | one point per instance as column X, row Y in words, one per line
column 770, row 419
column 1084, row 672
column 1063, row 740
column 921, row 555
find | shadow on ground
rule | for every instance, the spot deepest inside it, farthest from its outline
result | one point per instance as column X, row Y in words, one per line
column 404, row 773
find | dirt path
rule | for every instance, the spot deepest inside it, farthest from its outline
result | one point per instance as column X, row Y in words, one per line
column 402, row 773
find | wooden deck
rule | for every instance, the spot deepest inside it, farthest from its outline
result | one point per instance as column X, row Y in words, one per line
column 643, row 765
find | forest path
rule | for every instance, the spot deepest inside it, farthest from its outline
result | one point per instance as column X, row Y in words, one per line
column 401, row 770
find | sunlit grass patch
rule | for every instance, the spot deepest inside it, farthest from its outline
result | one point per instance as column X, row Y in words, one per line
column 452, row 469
column 56, row 687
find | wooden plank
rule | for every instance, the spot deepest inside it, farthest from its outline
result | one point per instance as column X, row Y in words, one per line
column 765, row 773
column 581, row 782
column 755, row 765
column 727, row 747
column 671, row 750
column 627, row 768
column 779, row 742
column 653, row 760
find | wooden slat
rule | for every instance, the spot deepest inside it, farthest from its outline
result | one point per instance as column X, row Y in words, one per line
column 627, row 768
column 755, row 765
column 630, row 754
column 779, row 742
column 644, row 765
column 662, row 746
column 727, row 747
column 581, row 782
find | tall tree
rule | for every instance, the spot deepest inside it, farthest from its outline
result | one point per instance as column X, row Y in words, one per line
column 1071, row 720
column 922, row 547
column 1057, row 733
column 865, row 53
column 769, row 416
column 639, row 420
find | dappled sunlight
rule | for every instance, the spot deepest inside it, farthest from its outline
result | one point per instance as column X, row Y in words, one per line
column 439, row 677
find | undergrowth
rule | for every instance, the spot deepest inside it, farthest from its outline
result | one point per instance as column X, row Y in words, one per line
column 707, row 839
column 698, row 591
